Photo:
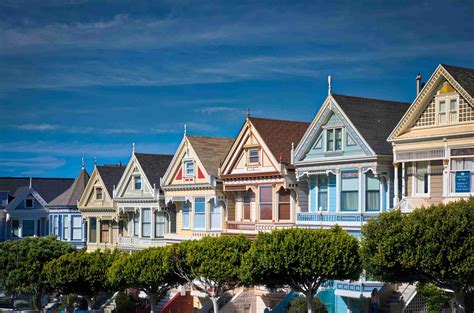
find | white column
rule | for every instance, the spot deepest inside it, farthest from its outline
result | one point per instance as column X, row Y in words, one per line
column 140, row 223
column 338, row 190
column 361, row 191
column 152, row 226
column 387, row 180
column 396, row 191
column 381, row 179
column 403, row 181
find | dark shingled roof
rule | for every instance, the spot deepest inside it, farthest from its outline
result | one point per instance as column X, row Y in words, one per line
column 70, row 197
column 48, row 188
column 279, row 135
column 464, row 76
column 374, row 119
column 211, row 151
column 110, row 175
column 154, row 166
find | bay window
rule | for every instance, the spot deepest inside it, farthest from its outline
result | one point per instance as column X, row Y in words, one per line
column 146, row 222
column 76, row 228
column 462, row 175
column 421, row 177
column 104, row 232
column 372, row 196
column 266, row 202
column 323, row 192
column 349, row 190
column 185, row 221
column 284, row 204
column 92, row 229
column 160, row 224
column 200, row 213
column 215, row 216
column 136, row 224
column 66, row 231
column 247, row 201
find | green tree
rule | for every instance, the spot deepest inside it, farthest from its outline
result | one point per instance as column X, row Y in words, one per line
column 211, row 264
column 22, row 262
column 299, row 304
column 302, row 259
column 435, row 297
column 81, row 273
column 430, row 245
column 150, row 270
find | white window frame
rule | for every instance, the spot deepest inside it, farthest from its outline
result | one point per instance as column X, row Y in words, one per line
column 185, row 164
column 101, row 193
column 66, row 227
column 135, row 177
column 447, row 100
column 249, row 157
column 414, row 191
column 333, row 137
column 80, row 227
column 453, row 172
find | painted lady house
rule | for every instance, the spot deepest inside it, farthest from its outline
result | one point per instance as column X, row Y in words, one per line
column 258, row 177
column 140, row 202
column 345, row 177
column 193, row 188
column 65, row 220
column 97, row 207
column 433, row 144
column 23, row 204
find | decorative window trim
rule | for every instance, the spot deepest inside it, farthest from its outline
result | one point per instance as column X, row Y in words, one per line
column 452, row 172
column 447, row 98
column 259, row 156
column 185, row 165
column 330, row 133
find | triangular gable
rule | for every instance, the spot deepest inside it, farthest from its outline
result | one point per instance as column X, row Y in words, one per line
column 423, row 101
column 88, row 196
column 22, row 196
column 175, row 172
column 236, row 160
column 330, row 114
column 125, row 187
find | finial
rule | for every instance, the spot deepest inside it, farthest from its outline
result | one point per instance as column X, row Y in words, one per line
column 133, row 147
column 95, row 161
column 83, row 163
column 185, row 130
column 329, row 85
column 31, row 182
column 248, row 112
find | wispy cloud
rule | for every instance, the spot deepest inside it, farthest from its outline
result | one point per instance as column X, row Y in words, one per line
column 47, row 162
column 37, row 127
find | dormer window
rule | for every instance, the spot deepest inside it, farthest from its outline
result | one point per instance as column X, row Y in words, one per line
column 447, row 110
column 29, row 203
column 98, row 193
column 189, row 168
column 137, row 182
column 334, row 139
column 253, row 156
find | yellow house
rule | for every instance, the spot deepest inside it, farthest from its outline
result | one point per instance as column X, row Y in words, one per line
column 193, row 189
column 97, row 207
column 433, row 144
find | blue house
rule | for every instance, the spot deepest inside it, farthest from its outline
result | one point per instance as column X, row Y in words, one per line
column 345, row 177
column 65, row 220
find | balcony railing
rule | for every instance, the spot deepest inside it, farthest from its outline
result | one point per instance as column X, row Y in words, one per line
column 134, row 243
column 316, row 217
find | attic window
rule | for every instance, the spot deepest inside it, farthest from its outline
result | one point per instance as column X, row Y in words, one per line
column 253, row 156
column 189, row 168
column 447, row 108
column 137, row 182
column 334, row 139
column 29, row 203
column 98, row 193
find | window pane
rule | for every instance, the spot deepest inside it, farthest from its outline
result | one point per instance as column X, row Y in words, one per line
column 372, row 182
column 453, row 117
column 266, row 194
column 421, row 177
column 349, row 201
column 136, row 224
column 323, row 194
column 160, row 224
column 452, row 105
column 66, row 227
column 200, row 205
column 104, row 232
column 185, row 222
column 138, row 182
column 200, row 213
column 216, row 216
column 76, row 228
column 329, row 140
column 247, row 200
column 442, row 106
column 265, row 211
column 146, row 222
column 253, row 155
column 189, row 168
column 338, row 139
column 284, row 201
column 349, row 181
column 92, row 229
column 373, row 201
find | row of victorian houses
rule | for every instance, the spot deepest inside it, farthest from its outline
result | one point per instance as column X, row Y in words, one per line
column 357, row 158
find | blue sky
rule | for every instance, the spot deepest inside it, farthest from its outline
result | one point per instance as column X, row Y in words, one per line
column 88, row 78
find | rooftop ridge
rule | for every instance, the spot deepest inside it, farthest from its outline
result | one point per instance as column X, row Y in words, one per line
column 373, row 99
column 277, row 120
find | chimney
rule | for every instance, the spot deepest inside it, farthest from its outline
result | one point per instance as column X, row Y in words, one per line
column 418, row 84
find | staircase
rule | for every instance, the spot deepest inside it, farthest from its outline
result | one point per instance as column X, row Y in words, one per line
column 399, row 298
column 109, row 306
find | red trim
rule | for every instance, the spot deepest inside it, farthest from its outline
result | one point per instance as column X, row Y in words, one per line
column 200, row 174
column 180, row 174
column 170, row 302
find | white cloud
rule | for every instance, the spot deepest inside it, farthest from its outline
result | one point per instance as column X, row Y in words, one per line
column 37, row 127
column 48, row 162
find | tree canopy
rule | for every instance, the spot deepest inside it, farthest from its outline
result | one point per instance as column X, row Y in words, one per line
column 302, row 259
column 430, row 245
column 22, row 262
column 150, row 270
column 80, row 273
column 211, row 264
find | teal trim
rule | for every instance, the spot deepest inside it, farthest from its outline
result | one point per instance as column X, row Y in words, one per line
column 312, row 205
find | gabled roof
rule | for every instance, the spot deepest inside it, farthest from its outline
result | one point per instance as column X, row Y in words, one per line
column 374, row 119
column 211, row 151
column 70, row 197
column 48, row 188
column 110, row 175
column 21, row 194
column 464, row 76
column 154, row 165
column 278, row 135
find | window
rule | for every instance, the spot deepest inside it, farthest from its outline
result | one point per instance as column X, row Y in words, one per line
column 66, row 231
column 104, row 232
column 442, row 112
column 136, row 224
column 462, row 175
column 98, row 193
column 421, row 178
column 3, row 198
column 215, row 216
column 138, row 182
column 334, row 139
column 453, row 111
column 199, row 213
column 447, row 110
column 284, row 203
column 16, row 228
column 349, row 191
column 266, row 203
column 29, row 203
column 253, row 155
column 185, row 222
column 146, row 222
column 372, row 200
column 92, row 229
column 28, row 228
column 56, row 225
column 160, row 224
column 247, row 200
column 323, row 192
column 189, row 168
column 76, row 228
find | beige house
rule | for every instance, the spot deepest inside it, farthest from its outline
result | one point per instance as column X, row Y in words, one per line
column 433, row 144
column 192, row 187
column 97, row 207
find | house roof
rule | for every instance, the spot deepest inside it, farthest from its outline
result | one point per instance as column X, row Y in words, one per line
column 70, row 197
column 211, row 151
column 464, row 76
column 48, row 188
column 154, row 165
column 110, row 175
column 21, row 194
column 279, row 135
column 374, row 119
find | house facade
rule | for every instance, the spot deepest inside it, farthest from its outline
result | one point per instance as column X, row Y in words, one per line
column 258, row 178
column 65, row 220
column 140, row 203
column 97, row 207
column 433, row 143
column 193, row 189
column 345, row 177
